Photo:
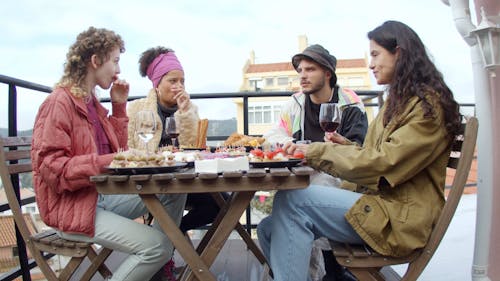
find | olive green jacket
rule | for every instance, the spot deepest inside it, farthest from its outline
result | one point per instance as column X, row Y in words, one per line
column 401, row 169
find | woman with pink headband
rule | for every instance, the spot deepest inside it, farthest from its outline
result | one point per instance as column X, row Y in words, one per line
column 169, row 98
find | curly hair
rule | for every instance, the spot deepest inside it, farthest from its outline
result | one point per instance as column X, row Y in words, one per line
column 94, row 41
column 415, row 75
column 148, row 56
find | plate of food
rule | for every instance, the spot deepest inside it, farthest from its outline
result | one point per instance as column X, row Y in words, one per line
column 276, row 164
column 192, row 148
column 147, row 170
column 236, row 140
column 250, row 148
column 277, row 155
column 211, row 149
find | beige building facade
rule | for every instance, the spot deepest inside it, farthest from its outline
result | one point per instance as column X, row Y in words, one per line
column 263, row 113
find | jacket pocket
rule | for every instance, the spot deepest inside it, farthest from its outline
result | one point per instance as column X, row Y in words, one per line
column 372, row 217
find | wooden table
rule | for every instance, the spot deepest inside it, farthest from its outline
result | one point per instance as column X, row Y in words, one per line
column 242, row 186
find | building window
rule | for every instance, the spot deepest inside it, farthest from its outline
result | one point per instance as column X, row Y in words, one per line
column 282, row 81
column 270, row 82
column 266, row 112
column 255, row 84
column 276, row 113
column 263, row 114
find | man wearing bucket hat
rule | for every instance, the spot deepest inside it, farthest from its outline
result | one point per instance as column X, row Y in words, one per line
column 299, row 117
column 299, row 121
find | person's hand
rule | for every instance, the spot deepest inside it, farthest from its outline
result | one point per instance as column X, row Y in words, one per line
column 119, row 91
column 335, row 138
column 183, row 100
column 291, row 148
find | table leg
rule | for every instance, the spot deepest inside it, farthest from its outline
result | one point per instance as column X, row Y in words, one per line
column 171, row 229
column 242, row 232
column 238, row 205
column 210, row 232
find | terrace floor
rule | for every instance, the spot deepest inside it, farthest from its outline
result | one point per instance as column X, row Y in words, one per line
column 452, row 261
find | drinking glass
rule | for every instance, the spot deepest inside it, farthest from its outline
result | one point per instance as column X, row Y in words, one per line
column 171, row 129
column 329, row 117
column 145, row 126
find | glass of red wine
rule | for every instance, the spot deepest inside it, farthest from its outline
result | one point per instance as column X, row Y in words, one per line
column 329, row 117
column 171, row 129
column 145, row 126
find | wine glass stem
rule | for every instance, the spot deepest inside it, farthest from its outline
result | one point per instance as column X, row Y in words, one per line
column 173, row 141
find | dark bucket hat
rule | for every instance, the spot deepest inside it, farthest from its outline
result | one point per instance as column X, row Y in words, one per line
column 319, row 55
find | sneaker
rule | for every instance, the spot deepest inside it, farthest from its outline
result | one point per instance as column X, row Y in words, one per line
column 166, row 273
column 169, row 269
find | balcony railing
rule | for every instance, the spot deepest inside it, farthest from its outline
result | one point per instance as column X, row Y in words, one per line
column 370, row 98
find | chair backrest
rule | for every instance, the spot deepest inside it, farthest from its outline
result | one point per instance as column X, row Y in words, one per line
column 460, row 159
column 14, row 160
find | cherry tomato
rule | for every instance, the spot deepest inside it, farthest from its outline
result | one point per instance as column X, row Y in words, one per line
column 257, row 153
column 298, row 155
column 269, row 155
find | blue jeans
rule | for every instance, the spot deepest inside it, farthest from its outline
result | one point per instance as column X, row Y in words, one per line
column 298, row 218
column 148, row 247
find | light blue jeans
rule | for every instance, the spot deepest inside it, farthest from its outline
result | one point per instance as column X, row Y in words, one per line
column 298, row 218
column 148, row 247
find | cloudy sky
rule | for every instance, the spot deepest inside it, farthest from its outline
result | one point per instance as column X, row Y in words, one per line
column 213, row 39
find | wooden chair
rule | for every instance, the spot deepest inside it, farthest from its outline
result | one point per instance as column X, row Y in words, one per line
column 366, row 264
column 14, row 160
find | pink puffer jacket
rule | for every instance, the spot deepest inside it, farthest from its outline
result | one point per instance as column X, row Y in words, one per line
column 64, row 156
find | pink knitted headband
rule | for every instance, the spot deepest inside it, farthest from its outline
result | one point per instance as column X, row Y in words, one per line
column 161, row 65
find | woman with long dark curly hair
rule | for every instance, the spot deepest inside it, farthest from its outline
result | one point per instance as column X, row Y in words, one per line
column 400, row 171
column 417, row 75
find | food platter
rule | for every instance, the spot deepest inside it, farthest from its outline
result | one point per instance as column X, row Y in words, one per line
column 250, row 148
column 276, row 164
column 147, row 170
column 212, row 149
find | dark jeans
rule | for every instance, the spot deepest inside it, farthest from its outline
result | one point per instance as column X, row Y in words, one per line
column 202, row 210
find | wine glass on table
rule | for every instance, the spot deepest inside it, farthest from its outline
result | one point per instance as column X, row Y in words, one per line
column 329, row 117
column 171, row 129
column 145, row 126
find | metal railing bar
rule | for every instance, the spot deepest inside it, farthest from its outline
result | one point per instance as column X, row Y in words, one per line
column 24, row 201
column 24, row 84
column 13, row 274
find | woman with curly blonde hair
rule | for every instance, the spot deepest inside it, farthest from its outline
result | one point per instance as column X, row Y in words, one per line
column 75, row 138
